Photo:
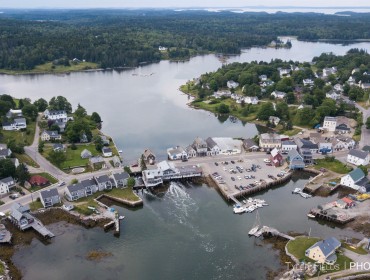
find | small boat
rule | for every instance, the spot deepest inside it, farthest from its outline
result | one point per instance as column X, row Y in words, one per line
column 120, row 151
column 297, row 190
column 311, row 216
column 239, row 210
column 121, row 217
column 254, row 230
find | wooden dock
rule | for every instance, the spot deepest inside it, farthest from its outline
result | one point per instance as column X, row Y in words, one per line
column 340, row 219
column 265, row 230
column 41, row 229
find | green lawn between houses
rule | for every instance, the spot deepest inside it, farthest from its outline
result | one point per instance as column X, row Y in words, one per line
column 20, row 137
column 335, row 166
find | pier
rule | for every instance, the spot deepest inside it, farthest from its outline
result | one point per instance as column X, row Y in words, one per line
column 331, row 216
column 265, row 230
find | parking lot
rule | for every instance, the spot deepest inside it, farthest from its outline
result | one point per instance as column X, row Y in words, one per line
column 243, row 173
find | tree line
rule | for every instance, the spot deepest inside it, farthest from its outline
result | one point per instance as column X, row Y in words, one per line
column 119, row 38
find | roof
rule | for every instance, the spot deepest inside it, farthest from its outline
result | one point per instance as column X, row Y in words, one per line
column 147, row 153
column 121, row 176
column 366, row 148
column 38, row 180
column 210, row 142
column 5, row 152
column 249, row 143
column 199, row 141
column 288, row 142
column 75, row 187
column 49, row 193
column 175, row 151
column 7, row 180
column 307, row 144
column 96, row 159
column 189, row 149
column 3, row 146
column 58, row 146
column 275, row 152
column 20, row 120
column 55, row 112
column 102, row 179
column 106, row 150
column 88, row 182
column 270, row 136
column 356, row 174
column 225, row 143
column 86, row 152
column 330, row 119
column 327, row 246
column 52, row 133
column 347, row 200
column 358, row 153
column 293, row 153
column 342, row 126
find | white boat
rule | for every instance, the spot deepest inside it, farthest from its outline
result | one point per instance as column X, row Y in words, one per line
column 121, row 217
column 239, row 210
column 254, row 230
column 311, row 216
column 305, row 195
column 120, row 151
column 297, row 190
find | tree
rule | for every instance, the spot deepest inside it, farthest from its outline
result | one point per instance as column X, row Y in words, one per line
column 41, row 104
column 265, row 111
column 95, row 117
column 22, row 174
column 76, row 129
column 80, row 112
column 290, row 98
column 7, row 168
column 98, row 141
column 57, row 157
column 41, row 146
column 30, row 111
column 9, row 99
column 60, row 103
column 5, row 106
column 131, row 182
column 368, row 123
column 55, row 127
column 223, row 109
column 282, row 110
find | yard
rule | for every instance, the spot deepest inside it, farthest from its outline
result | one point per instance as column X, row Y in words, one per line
column 23, row 158
column 298, row 247
column 20, row 137
column 359, row 250
column 333, row 165
column 74, row 156
column 35, row 205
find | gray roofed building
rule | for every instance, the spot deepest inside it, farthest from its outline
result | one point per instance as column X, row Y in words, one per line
column 358, row 157
column 103, row 182
column 3, row 146
column 5, row 153
column 358, row 153
column 210, row 142
column 49, row 197
column 58, row 147
column 121, row 178
column 250, row 145
column 324, row 251
column 102, row 179
column 86, row 154
column 116, row 161
column 356, row 174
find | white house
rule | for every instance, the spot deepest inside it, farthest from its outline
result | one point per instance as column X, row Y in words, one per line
column 221, row 93
column 6, row 184
column 274, row 120
column 329, row 71
column 16, row 124
column 338, row 87
column 190, row 151
column 330, row 123
column 56, row 115
column 12, row 113
column 351, row 81
column 358, row 157
column 82, row 189
column 288, row 145
column 120, row 179
column 269, row 141
column 49, row 197
column 308, row 82
column 103, row 182
column 278, row 94
column 232, row 84
column 263, row 77
column 227, row 146
column 176, row 153
column 353, row 179
column 251, row 100
column 333, row 95
column 48, row 135
column 284, row 72
column 107, row 152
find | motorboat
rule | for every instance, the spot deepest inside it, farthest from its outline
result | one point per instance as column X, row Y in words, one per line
column 239, row 210
column 311, row 216
column 254, row 230
column 297, row 190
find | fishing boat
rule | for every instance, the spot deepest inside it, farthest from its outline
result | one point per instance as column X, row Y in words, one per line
column 297, row 190
column 239, row 210
column 254, row 230
column 120, row 151
column 311, row 216
column 121, row 217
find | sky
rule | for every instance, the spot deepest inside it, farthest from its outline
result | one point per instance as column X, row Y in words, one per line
column 177, row 3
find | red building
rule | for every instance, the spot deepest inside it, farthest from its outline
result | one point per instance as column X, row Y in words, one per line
column 276, row 158
column 38, row 180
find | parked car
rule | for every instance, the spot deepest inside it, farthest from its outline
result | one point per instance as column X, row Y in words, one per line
column 22, row 192
column 232, row 179
column 216, row 163
column 61, row 184
column 233, row 162
column 266, row 160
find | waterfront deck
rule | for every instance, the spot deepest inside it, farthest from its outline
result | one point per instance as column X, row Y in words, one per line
column 265, row 230
column 332, row 215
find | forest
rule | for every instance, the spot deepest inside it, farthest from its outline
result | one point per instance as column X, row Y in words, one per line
column 127, row 38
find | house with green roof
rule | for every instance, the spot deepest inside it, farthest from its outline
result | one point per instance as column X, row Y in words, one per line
column 355, row 179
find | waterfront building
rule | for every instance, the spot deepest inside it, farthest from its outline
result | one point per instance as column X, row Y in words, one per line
column 250, row 145
column 50, row 197
column 148, row 157
column 120, row 179
column 190, row 152
column 304, row 144
column 176, row 153
column 56, row 115
column 82, row 189
column 324, row 251
column 296, row 160
column 200, row 146
column 103, row 182
column 107, row 152
column 276, row 158
column 269, row 141
column 355, row 179
column 288, row 145
column 358, row 157
column 227, row 145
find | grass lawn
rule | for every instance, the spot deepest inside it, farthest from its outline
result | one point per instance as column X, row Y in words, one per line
column 81, row 205
column 359, row 250
column 47, row 68
column 335, row 166
column 36, row 205
column 299, row 246
column 23, row 158
column 291, row 132
column 74, row 156
column 2, row 269
column 20, row 137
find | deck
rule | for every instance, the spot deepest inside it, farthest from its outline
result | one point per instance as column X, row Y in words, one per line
column 265, row 230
